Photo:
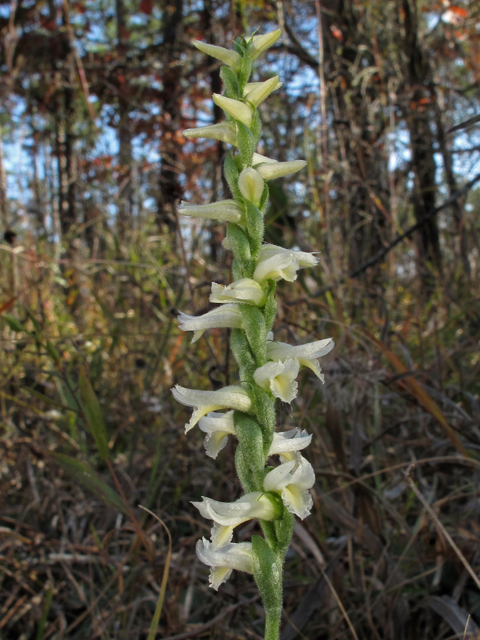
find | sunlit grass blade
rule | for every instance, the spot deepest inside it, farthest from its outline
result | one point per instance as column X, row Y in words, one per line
column 93, row 414
column 163, row 587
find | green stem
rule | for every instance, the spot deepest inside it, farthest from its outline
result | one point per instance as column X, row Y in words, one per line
column 272, row 625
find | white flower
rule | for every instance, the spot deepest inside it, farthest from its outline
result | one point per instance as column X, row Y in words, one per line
column 270, row 169
column 244, row 290
column 276, row 263
column 292, row 480
column 222, row 561
column 217, row 426
column 306, row 354
column 227, row 210
column 207, row 401
column 259, row 44
column 228, row 56
column 251, row 185
column 235, row 108
column 226, row 316
column 257, row 92
column 286, row 443
column 279, row 378
column 224, row 131
column 228, row 515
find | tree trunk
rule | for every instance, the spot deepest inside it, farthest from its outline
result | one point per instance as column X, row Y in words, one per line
column 67, row 166
column 421, row 142
column 125, row 190
column 457, row 208
column 170, row 190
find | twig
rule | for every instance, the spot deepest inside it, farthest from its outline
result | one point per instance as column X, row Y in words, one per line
column 440, row 526
column 383, row 252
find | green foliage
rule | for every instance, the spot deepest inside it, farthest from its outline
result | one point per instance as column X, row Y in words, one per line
column 84, row 474
column 255, row 330
column 246, row 144
column 93, row 414
column 241, row 249
column 230, row 82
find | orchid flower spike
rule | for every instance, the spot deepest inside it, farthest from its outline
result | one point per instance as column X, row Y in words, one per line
column 306, row 354
column 268, row 369
column 292, row 480
column 222, row 561
column 227, row 316
column 217, row 426
column 228, row 515
column 207, row 401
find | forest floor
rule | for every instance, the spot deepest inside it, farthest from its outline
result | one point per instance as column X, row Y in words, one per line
column 391, row 549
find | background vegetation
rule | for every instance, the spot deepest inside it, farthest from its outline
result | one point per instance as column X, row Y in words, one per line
column 382, row 99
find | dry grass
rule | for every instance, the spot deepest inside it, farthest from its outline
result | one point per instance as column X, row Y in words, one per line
column 392, row 547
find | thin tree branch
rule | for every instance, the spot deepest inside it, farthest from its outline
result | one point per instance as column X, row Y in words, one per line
column 383, row 252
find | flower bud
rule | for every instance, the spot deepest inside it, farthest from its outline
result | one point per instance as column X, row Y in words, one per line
column 227, row 56
column 224, row 131
column 227, row 210
column 235, row 108
column 270, row 169
column 259, row 44
column 245, row 290
column 257, row 92
column 251, row 185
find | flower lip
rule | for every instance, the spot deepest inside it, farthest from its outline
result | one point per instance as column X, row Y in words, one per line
column 306, row 354
column 232, row 556
column 204, row 402
column 279, row 378
column 217, row 427
column 227, row 316
column 287, row 443
column 230, row 514
column 293, row 479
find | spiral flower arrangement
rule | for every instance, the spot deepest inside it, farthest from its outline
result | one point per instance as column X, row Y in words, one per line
column 267, row 369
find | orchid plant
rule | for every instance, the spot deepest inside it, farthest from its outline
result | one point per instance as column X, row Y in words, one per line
column 268, row 369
